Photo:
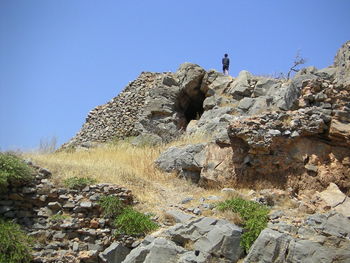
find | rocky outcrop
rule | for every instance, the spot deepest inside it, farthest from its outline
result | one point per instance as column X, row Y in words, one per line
column 303, row 147
column 155, row 104
column 187, row 161
column 202, row 239
column 321, row 238
column 67, row 224
column 342, row 64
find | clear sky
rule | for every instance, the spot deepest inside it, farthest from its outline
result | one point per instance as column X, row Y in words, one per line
column 60, row 59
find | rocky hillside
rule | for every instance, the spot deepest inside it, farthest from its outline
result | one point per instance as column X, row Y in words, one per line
column 262, row 132
column 285, row 139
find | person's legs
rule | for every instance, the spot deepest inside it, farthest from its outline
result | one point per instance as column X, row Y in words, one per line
column 225, row 70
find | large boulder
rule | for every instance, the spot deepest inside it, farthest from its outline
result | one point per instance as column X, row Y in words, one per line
column 160, row 250
column 217, row 237
column 187, row 160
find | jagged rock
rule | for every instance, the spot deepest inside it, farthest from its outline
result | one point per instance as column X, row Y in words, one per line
column 332, row 195
column 321, row 239
column 158, row 251
column 178, row 217
column 217, row 165
column 217, row 237
column 190, row 78
column 188, row 158
column 213, row 82
column 342, row 64
column 115, row 253
column 336, row 199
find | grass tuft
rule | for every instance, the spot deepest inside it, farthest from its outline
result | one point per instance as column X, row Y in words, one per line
column 14, row 244
column 111, row 205
column 132, row 222
column 78, row 183
column 253, row 214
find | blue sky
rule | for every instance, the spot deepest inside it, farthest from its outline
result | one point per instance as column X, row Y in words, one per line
column 60, row 59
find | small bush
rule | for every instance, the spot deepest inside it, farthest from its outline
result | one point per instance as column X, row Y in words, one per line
column 13, row 169
column 111, row 205
column 14, row 244
column 254, row 215
column 132, row 222
column 78, row 182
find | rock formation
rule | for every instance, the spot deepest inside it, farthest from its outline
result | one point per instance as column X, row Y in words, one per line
column 262, row 133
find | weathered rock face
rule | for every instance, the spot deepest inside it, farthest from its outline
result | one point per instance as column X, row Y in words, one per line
column 342, row 64
column 321, row 238
column 305, row 148
column 173, row 101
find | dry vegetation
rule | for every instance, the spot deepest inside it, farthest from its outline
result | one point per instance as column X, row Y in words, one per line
column 131, row 167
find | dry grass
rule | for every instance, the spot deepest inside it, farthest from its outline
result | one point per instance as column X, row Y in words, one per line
column 131, row 167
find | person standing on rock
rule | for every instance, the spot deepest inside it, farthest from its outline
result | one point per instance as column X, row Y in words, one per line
column 225, row 64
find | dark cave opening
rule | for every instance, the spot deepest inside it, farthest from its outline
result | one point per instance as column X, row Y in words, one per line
column 189, row 107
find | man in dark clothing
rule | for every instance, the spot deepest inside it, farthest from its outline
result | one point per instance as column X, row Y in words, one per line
column 225, row 64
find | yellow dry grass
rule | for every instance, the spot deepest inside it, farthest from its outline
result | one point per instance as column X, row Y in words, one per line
column 128, row 166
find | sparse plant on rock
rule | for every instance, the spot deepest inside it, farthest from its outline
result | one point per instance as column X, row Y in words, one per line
column 254, row 215
column 13, row 169
column 298, row 60
column 78, row 182
column 111, row 205
column 14, row 243
column 132, row 222
column 59, row 217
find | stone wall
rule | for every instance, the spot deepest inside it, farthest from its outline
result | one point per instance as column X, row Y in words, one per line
column 67, row 225
column 115, row 119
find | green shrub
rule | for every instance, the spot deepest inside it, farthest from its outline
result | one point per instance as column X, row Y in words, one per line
column 111, row 205
column 14, row 244
column 78, row 183
column 13, row 169
column 132, row 222
column 254, row 215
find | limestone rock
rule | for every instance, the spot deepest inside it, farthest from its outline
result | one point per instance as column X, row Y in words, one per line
column 115, row 253
column 188, row 158
column 276, row 245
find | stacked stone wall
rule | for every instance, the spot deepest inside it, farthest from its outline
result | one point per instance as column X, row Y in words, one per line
column 117, row 118
column 67, row 225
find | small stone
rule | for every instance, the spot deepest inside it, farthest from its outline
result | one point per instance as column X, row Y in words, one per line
column 274, row 132
column 64, row 197
column 311, row 168
column 75, row 246
column 186, row 200
column 294, row 134
column 54, row 205
column 59, row 236
column 16, row 197
column 44, row 172
column 69, row 205
column 94, row 223
column 43, row 198
column 213, row 198
column 4, row 209
column 86, row 204
column 28, row 190
column 197, row 211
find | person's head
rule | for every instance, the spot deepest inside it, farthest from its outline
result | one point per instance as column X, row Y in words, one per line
column 226, row 55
